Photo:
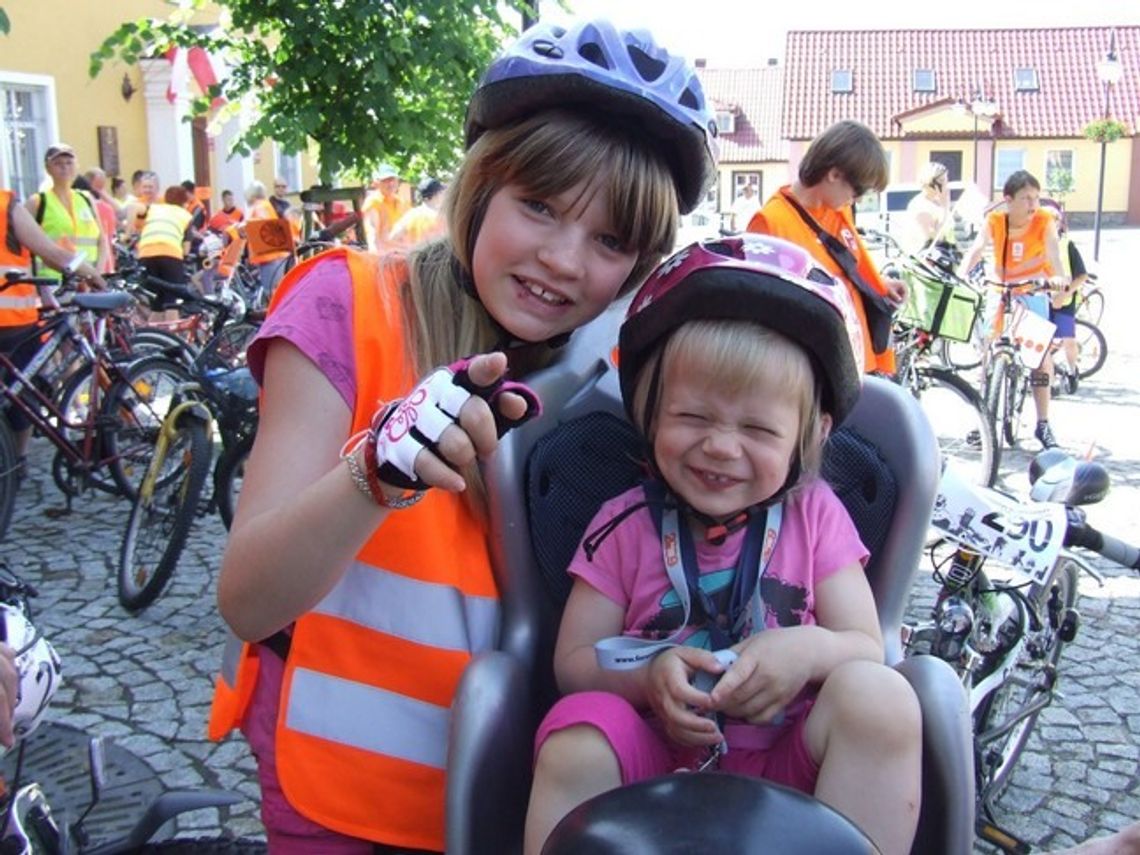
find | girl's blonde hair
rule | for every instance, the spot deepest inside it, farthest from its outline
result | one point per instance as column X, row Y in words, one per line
column 933, row 173
column 736, row 356
column 545, row 154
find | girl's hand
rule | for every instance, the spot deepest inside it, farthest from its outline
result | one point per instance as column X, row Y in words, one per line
column 771, row 669
column 9, row 693
column 447, row 421
column 681, row 708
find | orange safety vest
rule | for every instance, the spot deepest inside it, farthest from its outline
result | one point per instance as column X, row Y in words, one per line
column 372, row 670
column 780, row 219
column 1024, row 256
column 19, row 304
column 231, row 255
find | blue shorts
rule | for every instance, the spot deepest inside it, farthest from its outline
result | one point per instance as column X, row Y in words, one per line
column 1065, row 319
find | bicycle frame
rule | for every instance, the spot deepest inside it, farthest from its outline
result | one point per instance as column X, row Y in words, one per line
column 166, row 434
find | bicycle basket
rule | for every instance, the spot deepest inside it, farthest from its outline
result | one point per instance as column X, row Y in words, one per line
column 943, row 309
column 235, row 386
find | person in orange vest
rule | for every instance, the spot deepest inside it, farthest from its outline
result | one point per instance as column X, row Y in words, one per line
column 423, row 222
column 270, row 263
column 20, row 237
column 229, row 214
column 358, row 569
column 815, row 211
column 1025, row 245
column 382, row 207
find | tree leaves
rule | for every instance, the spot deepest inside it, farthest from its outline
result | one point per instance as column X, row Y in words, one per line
column 369, row 81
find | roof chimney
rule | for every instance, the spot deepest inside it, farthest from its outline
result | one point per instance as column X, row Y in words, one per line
column 700, row 61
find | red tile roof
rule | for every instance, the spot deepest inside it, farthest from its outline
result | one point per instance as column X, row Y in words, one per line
column 883, row 63
column 754, row 95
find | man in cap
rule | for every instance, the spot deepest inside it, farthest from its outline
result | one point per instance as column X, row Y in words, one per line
column 382, row 207
column 67, row 216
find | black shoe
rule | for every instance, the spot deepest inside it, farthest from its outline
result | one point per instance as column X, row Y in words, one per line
column 1044, row 435
column 1073, row 382
column 974, row 438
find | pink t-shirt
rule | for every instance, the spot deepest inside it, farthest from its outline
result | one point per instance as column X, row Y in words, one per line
column 316, row 317
column 817, row 538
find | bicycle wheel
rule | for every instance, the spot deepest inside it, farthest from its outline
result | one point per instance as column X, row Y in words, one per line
column 1018, row 386
column 227, row 348
column 1032, row 680
column 133, row 412
column 1092, row 350
column 9, row 474
column 160, row 523
column 151, row 341
column 999, row 374
column 74, row 404
column 206, row 846
column 1091, row 306
column 228, row 476
column 961, row 422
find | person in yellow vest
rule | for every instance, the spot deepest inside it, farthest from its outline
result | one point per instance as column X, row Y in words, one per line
column 1025, row 245
column 382, row 207
column 815, row 211
column 68, row 216
column 20, row 236
column 358, row 568
column 270, row 263
column 423, row 222
column 165, row 236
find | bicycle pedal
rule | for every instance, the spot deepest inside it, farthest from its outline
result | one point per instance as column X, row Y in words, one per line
column 1006, row 841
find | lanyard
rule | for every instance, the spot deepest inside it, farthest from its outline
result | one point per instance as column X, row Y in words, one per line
column 623, row 652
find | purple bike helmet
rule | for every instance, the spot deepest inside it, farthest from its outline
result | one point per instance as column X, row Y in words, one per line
column 757, row 278
column 593, row 64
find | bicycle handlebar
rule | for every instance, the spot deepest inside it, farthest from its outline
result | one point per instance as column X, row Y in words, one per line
column 19, row 277
column 1080, row 533
column 338, row 228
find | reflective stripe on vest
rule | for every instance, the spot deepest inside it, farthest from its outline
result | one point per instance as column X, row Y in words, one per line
column 77, row 231
column 19, row 304
column 421, row 612
column 164, row 231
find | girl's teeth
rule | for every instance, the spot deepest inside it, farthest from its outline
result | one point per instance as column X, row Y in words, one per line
column 543, row 294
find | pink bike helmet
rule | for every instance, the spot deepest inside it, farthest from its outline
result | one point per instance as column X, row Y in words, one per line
column 755, row 278
column 595, row 65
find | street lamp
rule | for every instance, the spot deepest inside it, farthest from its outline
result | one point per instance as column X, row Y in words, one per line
column 1109, row 71
column 982, row 106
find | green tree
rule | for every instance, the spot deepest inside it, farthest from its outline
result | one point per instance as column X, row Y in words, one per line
column 367, row 80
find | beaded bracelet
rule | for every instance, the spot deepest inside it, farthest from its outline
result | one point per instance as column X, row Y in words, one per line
column 366, row 477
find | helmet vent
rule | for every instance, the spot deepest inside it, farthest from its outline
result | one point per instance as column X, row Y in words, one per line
column 547, row 49
column 592, row 52
column 818, row 274
column 648, row 67
column 690, row 100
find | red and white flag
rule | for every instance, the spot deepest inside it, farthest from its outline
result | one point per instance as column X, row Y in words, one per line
column 179, row 73
column 186, row 62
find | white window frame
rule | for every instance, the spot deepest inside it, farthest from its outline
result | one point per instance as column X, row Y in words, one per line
column 287, row 166
column 1001, row 170
column 1025, row 79
column 924, row 80
column 842, row 81
column 725, row 122
column 45, row 83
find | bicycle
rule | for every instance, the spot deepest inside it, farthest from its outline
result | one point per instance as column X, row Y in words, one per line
column 105, row 415
column 939, row 306
column 49, row 803
column 221, row 393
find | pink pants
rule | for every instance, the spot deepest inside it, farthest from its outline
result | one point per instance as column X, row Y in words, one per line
column 643, row 751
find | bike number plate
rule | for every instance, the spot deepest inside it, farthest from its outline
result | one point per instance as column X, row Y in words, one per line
column 1027, row 537
column 1031, row 335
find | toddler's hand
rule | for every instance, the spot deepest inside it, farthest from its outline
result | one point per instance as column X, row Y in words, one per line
column 682, row 708
column 771, row 669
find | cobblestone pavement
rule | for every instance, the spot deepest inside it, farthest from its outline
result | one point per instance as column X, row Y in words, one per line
column 146, row 680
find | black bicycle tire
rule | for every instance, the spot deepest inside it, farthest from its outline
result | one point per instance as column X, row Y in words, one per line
column 997, row 388
column 151, row 341
column 1092, row 306
column 991, row 446
column 1102, row 346
column 128, row 445
column 62, row 466
column 1015, row 402
column 9, row 475
column 946, row 347
column 206, row 846
column 224, row 473
column 990, row 791
column 188, row 492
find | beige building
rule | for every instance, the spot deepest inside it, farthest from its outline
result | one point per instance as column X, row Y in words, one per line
column 125, row 119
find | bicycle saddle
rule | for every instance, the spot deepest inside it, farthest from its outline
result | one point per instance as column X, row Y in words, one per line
column 1057, row 477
